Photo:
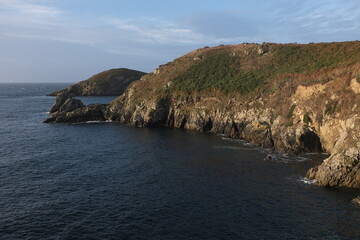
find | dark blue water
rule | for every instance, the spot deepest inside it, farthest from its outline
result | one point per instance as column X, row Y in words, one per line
column 108, row 181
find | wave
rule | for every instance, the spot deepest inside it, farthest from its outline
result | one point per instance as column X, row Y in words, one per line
column 236, row 148
column 285, row 158
column 224, row 137
column 106, row 121
column 93, row 122
column 307, row 181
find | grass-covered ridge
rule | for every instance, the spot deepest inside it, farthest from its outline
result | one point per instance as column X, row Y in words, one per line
column 220, row 71
column 242, row 69
column 107, row 83
column 103, row 79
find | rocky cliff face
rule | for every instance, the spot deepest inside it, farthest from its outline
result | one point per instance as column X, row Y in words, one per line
column 296, row 109
column 108, row 83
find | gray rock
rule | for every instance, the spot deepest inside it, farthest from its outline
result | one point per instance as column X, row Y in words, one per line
column 263, row 49
column 93, row 112
column 71, row 104
column 60, row 100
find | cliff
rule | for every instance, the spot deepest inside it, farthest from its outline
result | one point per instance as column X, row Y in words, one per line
column 296, row 98
column 112, row 82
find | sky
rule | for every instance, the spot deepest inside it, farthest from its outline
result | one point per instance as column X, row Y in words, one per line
column 71, row 40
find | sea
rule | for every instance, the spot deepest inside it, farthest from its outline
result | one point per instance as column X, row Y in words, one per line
column 104, row 180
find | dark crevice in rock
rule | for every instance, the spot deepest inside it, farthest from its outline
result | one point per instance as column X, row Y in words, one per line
column 234, row 130
column 183, row 122
column 208, row 125
column 170, row 120
column 310, row 142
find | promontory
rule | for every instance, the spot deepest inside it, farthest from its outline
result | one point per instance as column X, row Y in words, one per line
column 297, row 98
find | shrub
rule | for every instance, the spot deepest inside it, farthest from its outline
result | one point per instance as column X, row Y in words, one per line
column 331, row 107
column 291, row 111
column 218, row 71
column 358, row 77
column 307, row 119
column 246, row 73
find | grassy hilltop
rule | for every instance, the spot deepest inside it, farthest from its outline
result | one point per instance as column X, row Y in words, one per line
column 247, row 67
column 108, row 83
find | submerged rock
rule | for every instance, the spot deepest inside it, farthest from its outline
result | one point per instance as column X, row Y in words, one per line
column 270, row 157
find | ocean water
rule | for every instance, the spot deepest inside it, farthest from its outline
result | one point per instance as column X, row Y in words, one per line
column 110, row 181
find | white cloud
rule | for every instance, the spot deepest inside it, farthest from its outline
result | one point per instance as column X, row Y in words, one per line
column 31, row 7
column 298, row 21
column 38, row 20
column 158, row 31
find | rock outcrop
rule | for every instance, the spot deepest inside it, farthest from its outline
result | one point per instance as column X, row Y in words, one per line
column 356, row 200
column 108, row 83
column 341, row 169
column 61, row 98
column 93, row 112
column 293, row 99
column 71, row 104
column 68, row 109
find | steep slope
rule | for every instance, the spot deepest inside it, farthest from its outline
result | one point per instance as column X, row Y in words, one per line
column 291, row 97
column 112, row 82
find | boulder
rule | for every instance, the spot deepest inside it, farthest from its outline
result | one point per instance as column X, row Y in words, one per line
column 60, row 100
column 71, row 104
column 263, row 49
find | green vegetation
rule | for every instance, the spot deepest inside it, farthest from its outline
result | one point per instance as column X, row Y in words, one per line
column 219, row 71
column 110, row 82
column 306, row 118
column 291, row 111
column 331, row 107
column 296, row 59
column 358, row 77
column 289, row 123
column 111, row 77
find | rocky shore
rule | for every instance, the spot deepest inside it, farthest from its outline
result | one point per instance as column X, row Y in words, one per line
column 293, row 110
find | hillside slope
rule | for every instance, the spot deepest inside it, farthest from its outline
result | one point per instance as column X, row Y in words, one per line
column 112, row 82
column 296, row 98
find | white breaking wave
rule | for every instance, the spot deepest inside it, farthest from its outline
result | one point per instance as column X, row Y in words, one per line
column 307, row 181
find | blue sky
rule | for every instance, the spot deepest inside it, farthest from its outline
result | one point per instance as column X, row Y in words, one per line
column 70, row 40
